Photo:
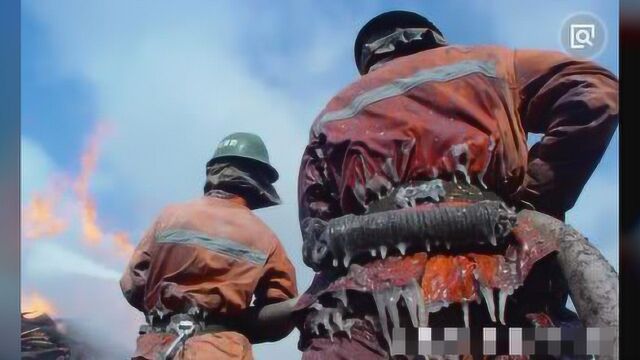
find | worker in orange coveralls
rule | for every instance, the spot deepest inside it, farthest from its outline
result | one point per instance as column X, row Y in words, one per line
column 427, row 111
column 197, row 269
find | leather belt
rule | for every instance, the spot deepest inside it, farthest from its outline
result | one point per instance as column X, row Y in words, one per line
column 201, row 325
column 417, row 192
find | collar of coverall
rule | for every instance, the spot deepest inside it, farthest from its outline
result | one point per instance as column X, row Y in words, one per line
column 375, row 51
column 254, row 188
column 221, row 194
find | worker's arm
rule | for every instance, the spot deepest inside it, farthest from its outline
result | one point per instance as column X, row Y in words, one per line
column 134, row 279
column 574, row 104
column 268, row 323
column 270, row 318
column 316, row 196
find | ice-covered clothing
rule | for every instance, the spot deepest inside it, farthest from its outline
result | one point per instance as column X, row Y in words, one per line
column 465, row 111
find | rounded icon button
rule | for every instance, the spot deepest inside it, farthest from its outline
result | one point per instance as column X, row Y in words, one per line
column 583, row 35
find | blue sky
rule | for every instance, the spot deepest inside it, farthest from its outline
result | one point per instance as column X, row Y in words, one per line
column 174, row 77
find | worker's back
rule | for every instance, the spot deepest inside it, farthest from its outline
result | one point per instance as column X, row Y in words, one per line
column 220, row 268
column 464, row 111
column 207, row 257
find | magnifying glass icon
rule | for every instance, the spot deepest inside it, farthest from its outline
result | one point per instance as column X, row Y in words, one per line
column 583, row 36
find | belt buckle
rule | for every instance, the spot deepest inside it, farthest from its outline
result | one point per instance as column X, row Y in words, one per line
column 184, row 326
column 183, row 323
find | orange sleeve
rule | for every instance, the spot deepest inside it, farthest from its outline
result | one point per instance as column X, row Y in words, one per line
column 315, row 196
column 134, row 279
column 574, row 104
column 278, row 282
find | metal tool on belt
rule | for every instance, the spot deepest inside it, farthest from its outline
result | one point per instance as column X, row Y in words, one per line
column 185, row 329
column 184, row 326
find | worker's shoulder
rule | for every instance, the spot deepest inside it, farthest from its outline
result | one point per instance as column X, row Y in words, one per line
column 447, row 59
column 409, row 65
column 177, row 206
column 456, row 52
column 264, row 228
column 231, row 212
column 182, row 207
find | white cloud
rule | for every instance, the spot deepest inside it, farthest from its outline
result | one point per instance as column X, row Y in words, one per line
column 36, row 167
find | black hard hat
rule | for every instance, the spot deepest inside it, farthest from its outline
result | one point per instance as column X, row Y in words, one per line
column 385, row 24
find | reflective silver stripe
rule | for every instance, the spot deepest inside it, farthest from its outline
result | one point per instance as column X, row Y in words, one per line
column 217, row 244
column 400, row 86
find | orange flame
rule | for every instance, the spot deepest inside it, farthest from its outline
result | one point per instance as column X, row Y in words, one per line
column 36, row 304
column 39, row 217
column 91, row 230
column 88, row 214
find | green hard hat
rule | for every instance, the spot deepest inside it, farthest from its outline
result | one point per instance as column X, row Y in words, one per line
column 246, row 146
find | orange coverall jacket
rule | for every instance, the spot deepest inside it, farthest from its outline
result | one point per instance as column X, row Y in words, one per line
column 212, row 253
column 466, row 111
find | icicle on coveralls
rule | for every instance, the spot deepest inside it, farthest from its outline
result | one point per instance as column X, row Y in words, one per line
column 210, row 256
column 451, row 112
